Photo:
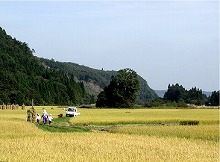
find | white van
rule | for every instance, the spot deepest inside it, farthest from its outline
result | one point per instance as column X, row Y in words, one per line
column 72, row 111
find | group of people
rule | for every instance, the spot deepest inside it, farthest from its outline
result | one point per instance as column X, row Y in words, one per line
column 45, row 117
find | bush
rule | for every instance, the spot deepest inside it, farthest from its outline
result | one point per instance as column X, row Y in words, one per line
column 60, row 115
column 153, row 104
column 189, row 122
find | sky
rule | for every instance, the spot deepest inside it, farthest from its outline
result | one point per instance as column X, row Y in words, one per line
column 165, row 42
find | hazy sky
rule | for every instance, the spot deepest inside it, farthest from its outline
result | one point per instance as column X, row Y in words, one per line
column 166, row 42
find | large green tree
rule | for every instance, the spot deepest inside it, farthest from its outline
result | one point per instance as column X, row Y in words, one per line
column 175, row 93
column 122, row 90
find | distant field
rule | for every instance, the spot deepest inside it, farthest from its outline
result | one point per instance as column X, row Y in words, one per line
column 203, row 132
column 136, row 135
column 146, row 116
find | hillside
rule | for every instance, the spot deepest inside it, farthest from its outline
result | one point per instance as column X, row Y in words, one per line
column 25, row 76
column 96, row 80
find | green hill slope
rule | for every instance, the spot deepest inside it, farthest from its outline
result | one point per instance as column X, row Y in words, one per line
column 25, row 76
column 95, row 80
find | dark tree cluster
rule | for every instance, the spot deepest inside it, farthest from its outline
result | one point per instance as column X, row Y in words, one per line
column 121, row 92
column 213, row 100
column 193, row 96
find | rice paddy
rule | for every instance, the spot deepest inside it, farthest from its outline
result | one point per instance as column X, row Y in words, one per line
column 134, row 135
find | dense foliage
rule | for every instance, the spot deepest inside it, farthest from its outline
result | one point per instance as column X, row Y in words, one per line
column 23, row 78
column 81, row 72
column 121, row 92
column 177, row 95
column 213, row 100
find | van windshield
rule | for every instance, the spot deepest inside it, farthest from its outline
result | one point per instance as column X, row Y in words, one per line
column 71, row 109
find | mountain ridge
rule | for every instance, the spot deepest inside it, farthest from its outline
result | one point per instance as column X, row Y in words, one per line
column 25, row 77
column 92, row 78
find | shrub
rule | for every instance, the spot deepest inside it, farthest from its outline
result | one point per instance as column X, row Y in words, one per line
column 60, row 115
column 189, row 122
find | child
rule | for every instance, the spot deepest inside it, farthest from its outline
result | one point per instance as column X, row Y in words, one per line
column 50, row 118
column 38, row 119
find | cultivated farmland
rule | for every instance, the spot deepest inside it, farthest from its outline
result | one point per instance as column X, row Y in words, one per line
column 129, row 135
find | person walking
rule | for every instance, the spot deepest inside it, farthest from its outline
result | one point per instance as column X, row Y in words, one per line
column 38, row 119
column 45, row 119
column 50, row 118
column 45, row 112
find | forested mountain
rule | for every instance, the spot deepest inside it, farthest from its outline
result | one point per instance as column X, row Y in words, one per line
column 25, row 76
column 96, row 80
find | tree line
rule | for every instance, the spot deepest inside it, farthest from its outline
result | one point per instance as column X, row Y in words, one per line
column 177, row 95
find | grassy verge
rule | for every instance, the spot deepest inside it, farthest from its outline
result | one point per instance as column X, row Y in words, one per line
column 62, row 125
